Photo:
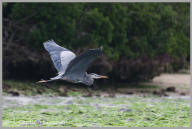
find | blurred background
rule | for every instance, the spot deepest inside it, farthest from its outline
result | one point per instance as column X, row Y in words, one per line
column 140, row 40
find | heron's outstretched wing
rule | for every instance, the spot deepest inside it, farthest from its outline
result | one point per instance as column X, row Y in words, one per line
column 59, row 55
column 80, row 64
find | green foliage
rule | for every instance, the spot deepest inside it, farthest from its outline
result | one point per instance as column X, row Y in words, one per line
column 74, row 93
column 123, row 29
column 98, row 112
column 139, row 39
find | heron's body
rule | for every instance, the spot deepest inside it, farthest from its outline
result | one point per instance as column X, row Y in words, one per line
column 70, row 67
column 86, row 79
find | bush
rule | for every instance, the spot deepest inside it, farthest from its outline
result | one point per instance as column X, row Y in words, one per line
column 127, row 31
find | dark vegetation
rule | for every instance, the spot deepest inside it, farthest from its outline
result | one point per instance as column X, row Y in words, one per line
column 140, row 40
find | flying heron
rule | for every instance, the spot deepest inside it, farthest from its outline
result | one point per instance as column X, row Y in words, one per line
column 70, row 67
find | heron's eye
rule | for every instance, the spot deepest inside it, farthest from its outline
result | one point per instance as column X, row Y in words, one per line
column 93, row 74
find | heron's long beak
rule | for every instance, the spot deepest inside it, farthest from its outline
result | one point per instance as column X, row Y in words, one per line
column 104, row 77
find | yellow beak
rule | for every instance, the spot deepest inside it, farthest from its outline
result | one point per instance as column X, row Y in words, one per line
column 104, row 77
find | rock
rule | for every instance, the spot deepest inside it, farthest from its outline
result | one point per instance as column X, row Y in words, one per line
column 125, row 110
column 14, row 93
column 130, row 119
column 67, row 108
column 182, row 93
column 69, row 102
column 99, row 108
column 156, row 92
column 170, row 89
column 129, row 92
column 160, row 93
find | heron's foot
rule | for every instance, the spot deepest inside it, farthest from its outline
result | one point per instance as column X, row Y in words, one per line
column 41, row 81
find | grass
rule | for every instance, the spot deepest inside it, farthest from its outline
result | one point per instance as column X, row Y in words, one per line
column 100, row 112
column 29, row 88
column 77, row 111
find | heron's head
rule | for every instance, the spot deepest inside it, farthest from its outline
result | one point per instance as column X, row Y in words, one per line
column 96, row 76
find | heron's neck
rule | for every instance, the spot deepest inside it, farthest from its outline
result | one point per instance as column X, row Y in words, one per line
column 88, row 79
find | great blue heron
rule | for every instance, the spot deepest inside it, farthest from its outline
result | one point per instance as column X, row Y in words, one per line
column 70, row 67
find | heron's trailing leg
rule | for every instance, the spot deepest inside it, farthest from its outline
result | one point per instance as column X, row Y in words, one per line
column 42, row 81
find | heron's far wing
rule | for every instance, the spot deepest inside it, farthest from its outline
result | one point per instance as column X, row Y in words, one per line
column 59, row 55
column 80, row 64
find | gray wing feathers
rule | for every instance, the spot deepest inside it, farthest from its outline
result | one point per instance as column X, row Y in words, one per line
column 80, row 64
column 52, row 46
column 59, row 55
